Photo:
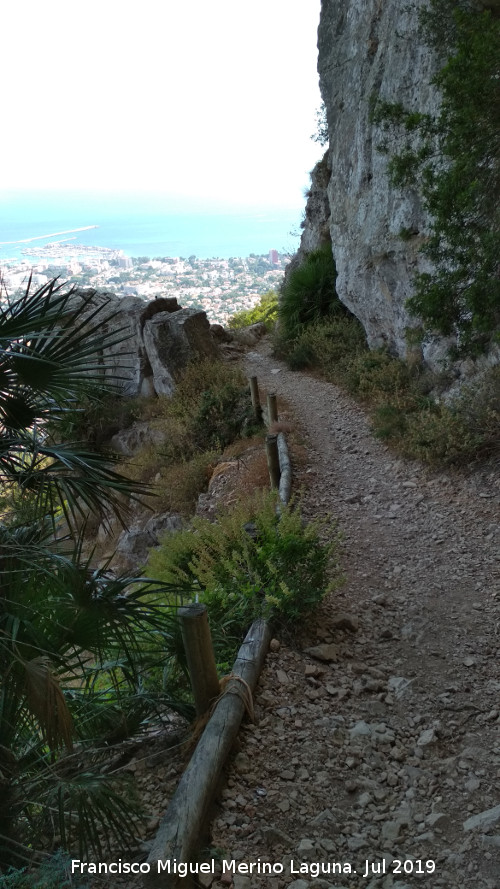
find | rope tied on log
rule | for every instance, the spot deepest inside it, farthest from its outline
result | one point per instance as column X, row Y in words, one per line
column 183, row 823
column 244, row 693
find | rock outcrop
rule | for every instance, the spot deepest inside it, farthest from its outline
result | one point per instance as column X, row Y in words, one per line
column 316, row 223
column 135, row 542
column 368, row 50
column 152, row 341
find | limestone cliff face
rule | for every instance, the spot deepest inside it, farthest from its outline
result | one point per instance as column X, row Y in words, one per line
column 316, row 223
column 367, row 49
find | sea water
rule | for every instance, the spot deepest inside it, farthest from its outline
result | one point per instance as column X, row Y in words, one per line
column 143, row 225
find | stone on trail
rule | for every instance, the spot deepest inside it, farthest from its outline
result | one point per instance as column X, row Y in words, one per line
column 427, row 737
column 305, row 845
column 242, row 882
column 345, row 622
column 399, row 686
column 326, row 652
column 483, row 819
column 360, row 729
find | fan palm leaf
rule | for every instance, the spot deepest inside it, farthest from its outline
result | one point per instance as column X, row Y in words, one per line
column 77, row 643
column 52, row 345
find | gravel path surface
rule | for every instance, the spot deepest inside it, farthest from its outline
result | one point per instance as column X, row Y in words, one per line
column 383, row 744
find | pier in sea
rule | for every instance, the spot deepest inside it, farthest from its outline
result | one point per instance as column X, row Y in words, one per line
column 69, row 248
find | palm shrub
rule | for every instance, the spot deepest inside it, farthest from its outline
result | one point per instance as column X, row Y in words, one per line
column 308, row 294
column 53, row 873
column 50, row 358
column 76, row 649
column 77, row 644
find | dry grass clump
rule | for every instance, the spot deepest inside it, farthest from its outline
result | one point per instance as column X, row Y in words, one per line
column 180, row 484
column 208, row 411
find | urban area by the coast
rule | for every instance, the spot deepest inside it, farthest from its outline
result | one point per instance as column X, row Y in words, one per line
column 220, row 287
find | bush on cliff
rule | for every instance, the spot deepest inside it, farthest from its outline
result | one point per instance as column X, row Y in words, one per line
column 308, row 294
column 453, row 159
column 265, row 311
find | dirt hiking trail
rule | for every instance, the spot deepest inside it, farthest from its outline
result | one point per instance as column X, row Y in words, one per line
column 384, row 743
column 374, row 760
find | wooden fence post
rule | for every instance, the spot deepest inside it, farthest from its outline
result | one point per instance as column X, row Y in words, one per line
column 273, row 460
column 178, row 836
column 272, row 408
column 254, row 392
column 200, row 655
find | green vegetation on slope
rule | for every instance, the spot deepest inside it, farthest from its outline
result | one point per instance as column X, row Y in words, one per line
column 210, row 409
column 88, row 657
column 265, row 311
column 402, row 397
column 249, row 564
column 453, row 158
column 77, row 643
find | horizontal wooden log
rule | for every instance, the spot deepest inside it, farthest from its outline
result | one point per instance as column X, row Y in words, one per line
column 285, row 486
column 180, row 831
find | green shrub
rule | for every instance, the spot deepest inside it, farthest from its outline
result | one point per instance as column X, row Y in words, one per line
column 265, row 311
column 465, row 430
column 223, row 414
column 211, row 405
column 210, row 408
column 181, row 483
column 249, row 564
column 308, row 294
column 54, row 873
column 302, row 355
column 389, row 422
column 479, row 408
column 328, row 345
column 439, row 436
column 376, row 375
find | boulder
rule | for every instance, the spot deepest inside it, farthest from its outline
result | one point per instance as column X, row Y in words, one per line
column 135, row 542
column 244, row 337
column 258, row 329
column 220, row 334
column 151, row 341
column 133, row 439
column 171, row 341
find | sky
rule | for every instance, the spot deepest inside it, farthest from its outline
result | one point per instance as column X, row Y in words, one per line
column 211, row 100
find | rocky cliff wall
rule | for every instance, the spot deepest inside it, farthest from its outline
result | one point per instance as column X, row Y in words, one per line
column 367, row 50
